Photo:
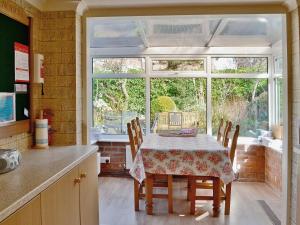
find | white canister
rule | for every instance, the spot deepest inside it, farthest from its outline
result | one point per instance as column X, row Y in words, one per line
column 41, row 133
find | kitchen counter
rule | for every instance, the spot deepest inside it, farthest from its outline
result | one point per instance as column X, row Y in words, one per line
column 38, row 170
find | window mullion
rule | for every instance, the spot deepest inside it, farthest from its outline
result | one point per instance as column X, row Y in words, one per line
column 208, row 100
column 271, row 96
column 148, row 94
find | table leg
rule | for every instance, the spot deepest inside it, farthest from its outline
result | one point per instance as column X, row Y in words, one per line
column 216, row 196
column 149, row 194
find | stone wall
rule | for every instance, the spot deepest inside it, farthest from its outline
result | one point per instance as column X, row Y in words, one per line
column 21, row 142
column 56, row 35
column 20, row 10
column 62, row 77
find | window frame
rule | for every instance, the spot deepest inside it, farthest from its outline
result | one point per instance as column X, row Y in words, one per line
column 243, row 75
column 207, row 73
column 175, row 73
column 118, row 75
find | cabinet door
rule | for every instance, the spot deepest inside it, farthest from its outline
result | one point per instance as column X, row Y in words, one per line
column 30, row 214
column 89, row 203
column 60, row 202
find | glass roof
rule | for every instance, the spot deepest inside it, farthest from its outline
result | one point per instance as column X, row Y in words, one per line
column 185, row 31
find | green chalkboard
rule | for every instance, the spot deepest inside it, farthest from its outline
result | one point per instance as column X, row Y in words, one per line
column 11, row 32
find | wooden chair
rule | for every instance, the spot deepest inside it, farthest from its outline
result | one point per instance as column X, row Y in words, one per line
column 140, row 129
column 227, row 129
column 225, row 189
column 159, row 180
column 135, row 123
column 219, row 134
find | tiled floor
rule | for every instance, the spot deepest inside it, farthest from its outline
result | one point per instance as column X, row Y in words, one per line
column 116, row 206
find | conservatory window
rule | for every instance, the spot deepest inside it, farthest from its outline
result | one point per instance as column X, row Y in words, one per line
column 240, row 65
column 278, row 66
column 278, row 80
column 118, row 65
column 242, row 101
column 178, row 103
column 279, row 100
column 178, row 65
column 116, row 102
column 123, row 89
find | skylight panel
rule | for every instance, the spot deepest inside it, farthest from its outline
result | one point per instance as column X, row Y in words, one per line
column 177, row 29
column 245, row 28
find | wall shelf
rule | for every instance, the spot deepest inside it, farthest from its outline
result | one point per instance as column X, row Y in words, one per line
column 18, row 127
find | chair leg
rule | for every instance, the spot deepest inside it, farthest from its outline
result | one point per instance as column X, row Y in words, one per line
column 170, row 193
column 188, row 189
column 136, row 195
column 192, row 195
column 227, row 199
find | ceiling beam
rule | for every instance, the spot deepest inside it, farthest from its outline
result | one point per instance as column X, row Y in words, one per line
column 221, row 24
column 142, row 34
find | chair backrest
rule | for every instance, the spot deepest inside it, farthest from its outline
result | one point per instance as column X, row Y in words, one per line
column 234, row 143
column 227, row 130
column 219, row 134
column 135, row 132
column 132, row 140
column 140, row 131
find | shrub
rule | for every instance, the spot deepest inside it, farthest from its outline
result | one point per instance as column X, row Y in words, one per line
column 162, row 104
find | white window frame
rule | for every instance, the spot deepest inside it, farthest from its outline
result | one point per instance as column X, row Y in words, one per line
column 175, row 73
column 275, row 92
column 188, row 74
column 117, row 75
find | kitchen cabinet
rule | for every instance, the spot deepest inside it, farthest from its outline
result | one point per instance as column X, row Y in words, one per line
column 30, row 214
column 60, row 202
column 73, row 199
column 89, row 209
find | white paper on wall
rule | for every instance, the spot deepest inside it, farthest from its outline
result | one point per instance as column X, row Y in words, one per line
column 21, row 62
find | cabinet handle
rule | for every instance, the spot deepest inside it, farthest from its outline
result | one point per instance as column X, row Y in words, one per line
column 77, row 180
column 83, row 175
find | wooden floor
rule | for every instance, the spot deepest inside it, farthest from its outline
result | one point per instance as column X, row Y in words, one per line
column 116, row 206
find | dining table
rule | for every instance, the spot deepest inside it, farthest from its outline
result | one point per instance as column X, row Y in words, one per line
column 198, row 156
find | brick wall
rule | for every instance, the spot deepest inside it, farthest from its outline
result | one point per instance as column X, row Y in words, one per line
column 250, row 160
column 117, row 153
column 273, row 169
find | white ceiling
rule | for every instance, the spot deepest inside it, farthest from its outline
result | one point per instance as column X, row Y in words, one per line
column 64, row 4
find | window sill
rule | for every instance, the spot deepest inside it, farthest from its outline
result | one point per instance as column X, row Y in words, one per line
column 111, row 138
column 248, row 141
column 274, row 144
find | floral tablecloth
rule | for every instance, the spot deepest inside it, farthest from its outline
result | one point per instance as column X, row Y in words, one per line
column 197, row 156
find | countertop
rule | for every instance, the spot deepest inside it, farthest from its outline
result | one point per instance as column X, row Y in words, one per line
column 38, row 170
